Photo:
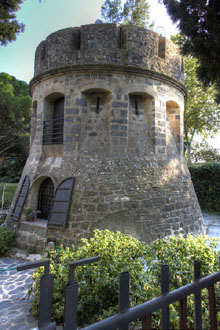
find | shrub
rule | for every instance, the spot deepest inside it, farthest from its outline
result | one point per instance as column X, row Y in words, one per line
column 99, row 282
column 206, row 180
column 7, row 239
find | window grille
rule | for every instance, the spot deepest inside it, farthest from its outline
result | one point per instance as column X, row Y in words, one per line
column 45, row 198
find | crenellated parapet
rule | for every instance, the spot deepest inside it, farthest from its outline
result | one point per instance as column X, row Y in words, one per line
column 110, row 46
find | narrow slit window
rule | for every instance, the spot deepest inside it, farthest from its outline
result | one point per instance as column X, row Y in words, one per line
column 97, row 104
column 136, row 107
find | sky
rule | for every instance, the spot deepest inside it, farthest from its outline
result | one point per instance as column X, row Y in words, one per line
column 44, row 17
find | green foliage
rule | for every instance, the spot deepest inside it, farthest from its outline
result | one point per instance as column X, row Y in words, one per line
column 15, row 112
column 8, row 193
column 7, row 239
column 11, row 168
column 9, row 26
column 202, row 113
column 204, row 152
column 199, row 24
column 206, row 179
column 135, row 12
column 99, row 282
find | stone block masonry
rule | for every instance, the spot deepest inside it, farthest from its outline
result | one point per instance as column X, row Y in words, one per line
column 113, row 98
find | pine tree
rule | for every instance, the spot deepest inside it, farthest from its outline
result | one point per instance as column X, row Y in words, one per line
column 199, row 25
column 111, row 11
column 135, row 12
column 9, row 26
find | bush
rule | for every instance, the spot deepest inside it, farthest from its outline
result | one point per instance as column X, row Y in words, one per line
column 99, row 282
column 206, row 180
column 11, row 169
column 7, row 239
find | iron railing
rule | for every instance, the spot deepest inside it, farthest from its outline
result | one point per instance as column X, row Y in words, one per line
column 53, row 131
column 144, row 311
column 127, row 315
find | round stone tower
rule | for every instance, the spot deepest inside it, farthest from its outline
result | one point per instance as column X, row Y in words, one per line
column 106, row 147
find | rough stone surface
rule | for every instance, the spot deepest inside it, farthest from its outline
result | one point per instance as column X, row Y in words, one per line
column 14, row 303
column 126, row 153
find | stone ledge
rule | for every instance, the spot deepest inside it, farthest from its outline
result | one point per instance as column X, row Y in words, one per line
column 106, row 69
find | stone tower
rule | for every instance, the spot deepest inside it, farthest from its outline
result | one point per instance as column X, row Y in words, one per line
column 106, row 147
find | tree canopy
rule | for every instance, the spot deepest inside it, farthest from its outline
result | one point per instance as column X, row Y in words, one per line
column 202, row 113
column 9, row 26
column 15, row 112
column 199, row 25
column 134, row 12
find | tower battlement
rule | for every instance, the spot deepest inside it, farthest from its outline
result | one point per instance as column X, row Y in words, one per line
column 109, row 45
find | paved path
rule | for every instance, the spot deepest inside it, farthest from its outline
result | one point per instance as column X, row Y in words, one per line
column 14, row 303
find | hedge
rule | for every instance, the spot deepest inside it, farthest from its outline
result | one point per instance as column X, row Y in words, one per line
column 206, row 180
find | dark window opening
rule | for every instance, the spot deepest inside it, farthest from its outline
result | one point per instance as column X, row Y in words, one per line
column 58, row 121
column 45, row 198
column 76, row 39
column 53, row 129
column 136, row 107
column 97, row 105
column 123, row 37
column 162, row 47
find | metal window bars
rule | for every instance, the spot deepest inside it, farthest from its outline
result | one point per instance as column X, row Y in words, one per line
column 53, row 131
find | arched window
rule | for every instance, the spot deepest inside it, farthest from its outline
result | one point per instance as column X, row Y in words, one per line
column 45, row 198
column 173, row 114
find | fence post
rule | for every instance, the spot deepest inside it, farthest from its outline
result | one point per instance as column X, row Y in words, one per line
column 124, row 295
column 197, row 301
column 46, row 294
column 71, row 294
column 164, row 291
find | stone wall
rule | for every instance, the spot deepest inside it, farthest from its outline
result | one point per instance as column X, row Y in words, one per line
column 109, row 44
column 122, row 139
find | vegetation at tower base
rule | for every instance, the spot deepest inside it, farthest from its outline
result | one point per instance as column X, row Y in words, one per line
column 7, row 239
column 99, row 282
column 206, row 179
column 199, row 25
column 15, row 112
column 135, row 12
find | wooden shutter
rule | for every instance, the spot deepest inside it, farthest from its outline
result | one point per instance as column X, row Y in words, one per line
column 16, row 213
column 61, row 203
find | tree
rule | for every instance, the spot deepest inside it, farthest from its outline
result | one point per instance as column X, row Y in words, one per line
column 15, row 112
column 202, row 113
column 134, row 12
column 9, row 26
column 199, row 25
column 111, row 11
column 204, row 152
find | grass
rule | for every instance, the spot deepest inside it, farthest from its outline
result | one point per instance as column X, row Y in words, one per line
column 9, row 193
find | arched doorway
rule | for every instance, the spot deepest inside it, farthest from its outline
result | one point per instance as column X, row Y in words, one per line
column 45, row 197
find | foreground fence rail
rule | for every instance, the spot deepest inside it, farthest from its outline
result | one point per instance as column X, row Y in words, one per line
column 144, row 311
column 127, row 315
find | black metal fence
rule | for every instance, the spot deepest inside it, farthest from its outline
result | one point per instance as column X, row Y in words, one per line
column 127, row 315
column 53, row 131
